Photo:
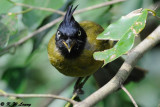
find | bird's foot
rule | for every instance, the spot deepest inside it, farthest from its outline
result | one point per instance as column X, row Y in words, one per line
column 79, row 85
column 78, row 89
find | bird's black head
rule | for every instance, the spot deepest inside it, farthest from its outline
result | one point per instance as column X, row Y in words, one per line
column 70, row 36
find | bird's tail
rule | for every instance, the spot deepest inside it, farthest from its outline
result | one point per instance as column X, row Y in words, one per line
column 103, row 75
column 136, row 75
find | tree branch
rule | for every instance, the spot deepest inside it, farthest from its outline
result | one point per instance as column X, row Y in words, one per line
column 38, row 96
column 23, row 40
column 129, row 95
column 132, row 57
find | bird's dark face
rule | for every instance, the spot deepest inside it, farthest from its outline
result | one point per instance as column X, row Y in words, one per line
column 70, row 36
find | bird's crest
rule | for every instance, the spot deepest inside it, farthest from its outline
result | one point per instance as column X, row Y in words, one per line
column 69, row 14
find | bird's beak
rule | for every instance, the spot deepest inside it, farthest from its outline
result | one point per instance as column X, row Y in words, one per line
column 69, row 45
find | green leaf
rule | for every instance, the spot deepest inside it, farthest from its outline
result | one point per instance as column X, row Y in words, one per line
column 135, row 22
column 8, row 27
column 11, row 22
column 4, row 35
column 116, row 30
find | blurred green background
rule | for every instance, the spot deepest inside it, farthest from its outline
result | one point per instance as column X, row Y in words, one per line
column 26, row 69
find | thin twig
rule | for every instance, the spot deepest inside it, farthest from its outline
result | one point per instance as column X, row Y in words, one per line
column 132, row 57
column 38, row 8
column 98, row 6
column 41, row 8
column 23, row 40
column 129, row 95
column 38, row 96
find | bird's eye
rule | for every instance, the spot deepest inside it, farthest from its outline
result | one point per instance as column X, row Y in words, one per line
column 58, row 34
column 79, row 33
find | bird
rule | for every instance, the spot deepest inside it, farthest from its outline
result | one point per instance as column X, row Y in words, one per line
column 71, row 48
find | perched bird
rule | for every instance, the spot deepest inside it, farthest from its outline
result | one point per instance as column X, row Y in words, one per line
column 71, row 49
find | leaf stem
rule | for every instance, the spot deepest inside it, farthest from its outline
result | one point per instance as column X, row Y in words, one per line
column 152, row 11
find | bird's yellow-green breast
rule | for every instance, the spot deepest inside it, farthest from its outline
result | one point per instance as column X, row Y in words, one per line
column 84, row 64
